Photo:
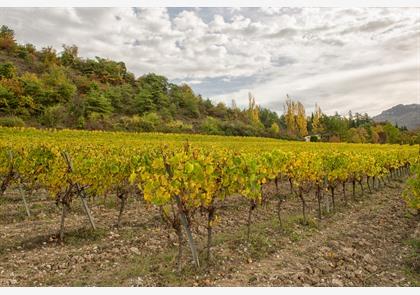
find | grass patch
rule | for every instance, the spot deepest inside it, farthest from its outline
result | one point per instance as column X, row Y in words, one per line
column 260, row 246
column 412, row 262
column 110, row 202
column 157, row 267
column 295, row 236
column 82, row 235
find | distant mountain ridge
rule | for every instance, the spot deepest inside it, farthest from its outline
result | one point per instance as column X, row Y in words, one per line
column 403, row 115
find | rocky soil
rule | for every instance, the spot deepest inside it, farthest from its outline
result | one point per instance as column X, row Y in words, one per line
column 367, row 245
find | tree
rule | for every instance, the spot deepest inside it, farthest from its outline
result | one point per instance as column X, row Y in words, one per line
column 152, row 93
column 7, row 39
column 57, row 87
column 316, row 120
column 185, row 100
column 6, row 97
column 102, row 69
column 364, row 136
column 379, row 130
column 335, row 125
column 234, row 106
column 10, row 95
column 392, row 133
column 374, row 136
column 253, row 110
column 353, row 136
column 48, row 56
column 220, row 110
column 289, row 116
column 26, row 52
column 301, row 122
column 70, row 55
column 97, row 102
column 234, row 110
column 275, row 129
column 190, row 102
column 295, row 118
column 268, row 117
column 358, row 135
column 32, row 86
column 7, row 70
column 144, row 101
column 122, row 98
column 351, row 120
column 205, row 106
column 13, row 101
column 30, row 48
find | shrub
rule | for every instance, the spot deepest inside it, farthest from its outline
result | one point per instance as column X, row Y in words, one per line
column 411, row 193
column 336, row 138
column 150, row 122
column 98, row 121
column 211, row 126
column 11, row 122
column 7, row 70
column 314, row 138
column 178, row 126
column 53, row 115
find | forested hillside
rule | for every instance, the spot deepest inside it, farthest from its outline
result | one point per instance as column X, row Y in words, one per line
column 44, row 88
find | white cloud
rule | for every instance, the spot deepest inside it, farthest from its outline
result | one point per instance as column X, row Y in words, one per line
column 191, row 82
column 360, row 58
column 372, row 89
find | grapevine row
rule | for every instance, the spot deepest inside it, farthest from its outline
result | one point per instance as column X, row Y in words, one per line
column 183, row 177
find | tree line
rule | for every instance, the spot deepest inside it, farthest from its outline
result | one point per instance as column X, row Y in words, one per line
column 354, row 128
column 45, row 88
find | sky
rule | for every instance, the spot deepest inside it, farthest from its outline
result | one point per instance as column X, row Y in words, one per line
column 359, row 59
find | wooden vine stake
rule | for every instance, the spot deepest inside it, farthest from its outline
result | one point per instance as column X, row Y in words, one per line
column 279, row 202
column 319, row 199
column 187, row 228
column 344, row 193
column 210, row 220
column 123, row 199
column 82, row 196
column 252, row 207
column 80, row 192
column 64, row 200
column 302, row 198
column 183, row 219
column 63, row 217
column 22, row 194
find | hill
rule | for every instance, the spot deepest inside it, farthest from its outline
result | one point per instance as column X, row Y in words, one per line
column 43, row 88
column 402, row 115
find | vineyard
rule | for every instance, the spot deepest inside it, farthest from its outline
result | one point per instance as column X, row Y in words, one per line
column 192, row 181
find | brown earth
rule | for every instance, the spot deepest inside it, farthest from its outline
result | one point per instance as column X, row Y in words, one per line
column 362, row 246
column 372, row 241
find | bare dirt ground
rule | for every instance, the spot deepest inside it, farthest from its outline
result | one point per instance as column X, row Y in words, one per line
column 372, row 241
column 367, row 245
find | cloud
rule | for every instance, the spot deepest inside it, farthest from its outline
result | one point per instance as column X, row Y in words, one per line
column 360, row 58
column 286, row 32
column 375, row 25
column 370, row 89
column 191, row 82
